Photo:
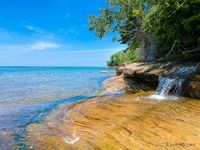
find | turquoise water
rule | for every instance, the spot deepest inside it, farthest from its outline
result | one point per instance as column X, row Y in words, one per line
column 28, row 94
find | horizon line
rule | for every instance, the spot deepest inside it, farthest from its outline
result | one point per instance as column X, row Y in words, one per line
column 47, row 66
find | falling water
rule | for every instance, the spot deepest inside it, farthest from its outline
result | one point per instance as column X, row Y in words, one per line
column 173, row 83
column 167, row 84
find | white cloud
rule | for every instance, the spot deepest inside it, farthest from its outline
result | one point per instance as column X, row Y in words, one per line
column 41, row 45
column 111, row 50
column 13, row 49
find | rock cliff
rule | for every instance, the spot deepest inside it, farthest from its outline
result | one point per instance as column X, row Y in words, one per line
column 145, row 76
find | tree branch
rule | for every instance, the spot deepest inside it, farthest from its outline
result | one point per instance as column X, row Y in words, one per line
column 172, row 48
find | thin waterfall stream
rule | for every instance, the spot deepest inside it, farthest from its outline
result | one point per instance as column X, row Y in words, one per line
column 171, row 85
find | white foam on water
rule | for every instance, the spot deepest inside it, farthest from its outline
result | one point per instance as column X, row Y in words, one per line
column 161, row 98
column 72, row 139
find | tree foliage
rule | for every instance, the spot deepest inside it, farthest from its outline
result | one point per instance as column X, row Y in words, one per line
column 122, row 57
column 173, row 24
column 122, row 16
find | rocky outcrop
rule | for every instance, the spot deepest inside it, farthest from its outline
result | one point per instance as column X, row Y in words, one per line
column 119, row 85
column 192, row 89
column 192, row 86
column 114, row 85
column 120, row 70
column 148, row 75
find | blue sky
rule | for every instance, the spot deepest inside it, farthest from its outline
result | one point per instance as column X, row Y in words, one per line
column 51, row 33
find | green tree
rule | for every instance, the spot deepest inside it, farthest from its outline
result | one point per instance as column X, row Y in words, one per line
column 124, row 17
column 173, row 25
column 122, row 57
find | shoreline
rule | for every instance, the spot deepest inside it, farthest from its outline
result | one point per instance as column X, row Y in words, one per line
column 118, row 122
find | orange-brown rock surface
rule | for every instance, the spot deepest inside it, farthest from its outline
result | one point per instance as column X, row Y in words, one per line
column 114, row 85
column 129, row 122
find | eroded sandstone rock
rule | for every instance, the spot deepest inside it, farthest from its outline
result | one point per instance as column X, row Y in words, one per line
column 148, row 74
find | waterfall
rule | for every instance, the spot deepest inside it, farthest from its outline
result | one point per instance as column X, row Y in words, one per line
column 170, row 86
column 167, row 84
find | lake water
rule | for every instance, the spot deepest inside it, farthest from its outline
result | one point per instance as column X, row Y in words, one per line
column 29, row 94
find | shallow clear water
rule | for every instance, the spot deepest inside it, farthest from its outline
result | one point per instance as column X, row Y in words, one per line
column 28, row 94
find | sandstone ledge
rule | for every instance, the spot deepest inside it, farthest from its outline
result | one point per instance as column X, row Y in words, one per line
column 148, row 75
column 118, row 123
